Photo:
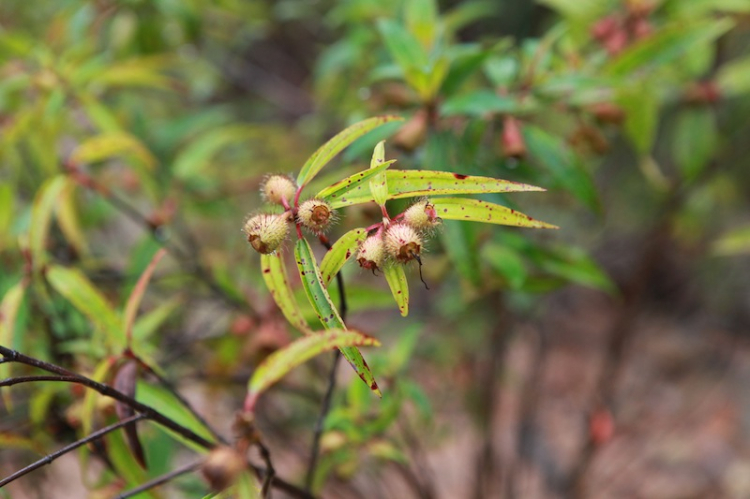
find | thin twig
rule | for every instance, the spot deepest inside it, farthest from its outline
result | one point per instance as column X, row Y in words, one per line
column 160, row 480
column 270, row 475
column 32, row 379
column 68, row 448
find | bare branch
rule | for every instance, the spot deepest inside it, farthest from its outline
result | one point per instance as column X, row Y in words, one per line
column 160, row 480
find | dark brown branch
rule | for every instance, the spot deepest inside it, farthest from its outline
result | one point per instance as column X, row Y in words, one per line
column 270, row 474
column 31, row 379
column 160, row 480
column 68, row 448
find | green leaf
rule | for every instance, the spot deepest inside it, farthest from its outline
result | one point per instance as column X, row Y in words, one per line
column 421, row 17
column 41, row 217
column 279, row 363
column 109, row 145
column 379, row 182
column 413, row 183
column 733, row 242
column 665, row 46
column 318, row 297
column 396, row 278
column 134, row 301
column 733, row 78
column 460, row 243
column 338, row 143
column 277, row 282
column 68, row 219
column 480, row 103
column 553, row 154
column 641, row 106
column 7, row 202
column 403, row 46
column 339, row 253
column 507, row 262
column 695, row 140
column 148, row 323
column 474, row 210
column 196, row 156
column 354, row 182
column 75, row 287
column 574, row 265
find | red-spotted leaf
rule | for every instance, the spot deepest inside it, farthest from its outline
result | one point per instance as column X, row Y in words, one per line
column 327, row 151
column 134, row 301
column 340, row 252
column 379, row 182
column 474, row 210
column 396, row 278
column 317, row 294
column 413, row 183
column 277, row 282
column 279, row 363
column 353, row 183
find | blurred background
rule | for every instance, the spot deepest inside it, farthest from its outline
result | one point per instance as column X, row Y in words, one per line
column 608, row 358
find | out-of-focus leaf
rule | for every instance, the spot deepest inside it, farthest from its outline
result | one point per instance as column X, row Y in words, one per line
column 134, row 300
column 733, row 242
column 89, row 405
column 125, row 463
column 474, row 210
column 6, row 213
column 196, row 155
column 507, row 262
column 318, row 297
column 279, row 363
column 100, row 114
column 466, row 13
column 463, row 67
column 574, row 265
column 396, row 278
column 147, row 324
column 460, row 242
column 403, row 46
column 733, row 78
column 8, row 312
column 413, row 183
column 665, row 46
column 41, row 216
column 143, row 72
column 641, row 108
column 561, row 162
column 125, row 382
column 354, row 182
column 277, row 282
column 578, row 9
column 109, row 145
column 339, row 253
column 10, row 441
column 421, row 17
column 83, row 295
column 695, row 140
column 379, row 182
column 480, row 103
column 335, row 145
column 68, row 220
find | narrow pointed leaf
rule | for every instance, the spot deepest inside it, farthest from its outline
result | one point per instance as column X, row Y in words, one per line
column 353, row 183
column 277, row 282
column 134, row 301
column 279, row 363
column 318, row 296
column 41, row 217
column 412, row 183
column 75, row 287
column 327, row 151
column 379, row 182
column 68, row 219
column 474, row 210
column 340, row 252
column 109, row 145
column 396, row 278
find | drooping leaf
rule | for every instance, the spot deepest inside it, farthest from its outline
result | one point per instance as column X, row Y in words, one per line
column 327, row 151
column 695, row 140
column 277, row 282
column 75, row 287
column 329, row 316
column 109, row 145
column 475, row 210
column 339, row 253
column 413, row 183
column 134, row 301
column 41, row 217
column 396, row 278
column 356, row 182
column 379, row 182
column 279, row 363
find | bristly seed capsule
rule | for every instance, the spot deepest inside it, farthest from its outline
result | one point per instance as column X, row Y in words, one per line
column 278, row 189
column 266, row 232
column 372, row 253
column 402, row 243
column 422, row 215
column 315, row 214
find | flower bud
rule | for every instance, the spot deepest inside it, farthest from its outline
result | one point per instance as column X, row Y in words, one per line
column 371, row 253
column 421, row 215
column 222, row 467
column 277, row 188
column 266, row 232
column 315, row 214
column 512, row 140
column 402, row 243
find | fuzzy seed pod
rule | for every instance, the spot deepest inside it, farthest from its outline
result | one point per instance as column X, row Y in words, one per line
column 315, row 214
column 266, row 232
column 422, row 215
column 371, row 253
column 222, row 467
column 402, row 243
column 278, row 189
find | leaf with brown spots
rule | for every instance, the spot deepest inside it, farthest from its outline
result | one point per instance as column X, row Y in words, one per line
column 396, row 278
column 274, row 274
column 339, row 254
column 474, row 210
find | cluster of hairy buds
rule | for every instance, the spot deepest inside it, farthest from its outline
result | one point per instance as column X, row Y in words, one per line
column 402, row 241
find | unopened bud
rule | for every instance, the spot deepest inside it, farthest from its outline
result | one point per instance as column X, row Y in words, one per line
column 266, row 232
column 278, row 189
column 403, row 243
column 512, row 138
column 421, row 215
column 315, row 214
column 371, row 253
column 222, row 467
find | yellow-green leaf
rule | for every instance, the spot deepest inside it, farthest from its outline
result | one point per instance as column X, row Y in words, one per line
column 317, row 295
column 353, row 183
column 277, row 282
column 83, row 295
column 338, row 143
column 339, row 253
column 278, row 364
column 379, row 182
column 67, row 219
column 41, row 217
column 413, row 183
column 396, row 278
column 134, row 301
column 6, row 213
column 109, row 145
column 474, row 210
column 8, row 312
